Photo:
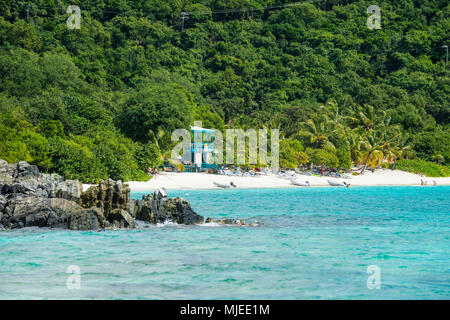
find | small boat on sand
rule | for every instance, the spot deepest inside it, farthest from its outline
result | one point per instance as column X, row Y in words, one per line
column 224, row 185
column 335, row 183
column 301, row 183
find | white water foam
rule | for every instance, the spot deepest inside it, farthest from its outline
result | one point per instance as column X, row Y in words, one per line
column 210, row 224
column 166, row 224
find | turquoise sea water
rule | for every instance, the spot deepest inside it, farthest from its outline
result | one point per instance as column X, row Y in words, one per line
column 313, row 243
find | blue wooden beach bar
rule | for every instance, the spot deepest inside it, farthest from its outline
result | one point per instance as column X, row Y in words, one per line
column 201, row 157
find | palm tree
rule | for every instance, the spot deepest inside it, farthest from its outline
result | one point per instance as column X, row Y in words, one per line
column 381, row 144
column 316, row 132
column 373, row 148
column 365, row 117
column 331, row 110
column 355, row 141
column 334, row 118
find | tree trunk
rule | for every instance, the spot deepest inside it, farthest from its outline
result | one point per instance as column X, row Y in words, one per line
column 367, row 161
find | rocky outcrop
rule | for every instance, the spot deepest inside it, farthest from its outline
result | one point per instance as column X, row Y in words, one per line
column 89, row 219
column 108, row 195
column 29, row 198
column 112, row 199
column 157, row 208
column 38, row 212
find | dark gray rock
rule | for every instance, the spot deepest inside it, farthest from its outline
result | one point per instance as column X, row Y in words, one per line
column 38, row 212
column 180, row 211
column 85, row 219
column 3, row 203
column 158, row 208
column 24, row 188
column 56, row 187
column 26, row 170
column 119, row 218
column 107, row 196
column 29, row 198
column 131, row 208
column 6, row 173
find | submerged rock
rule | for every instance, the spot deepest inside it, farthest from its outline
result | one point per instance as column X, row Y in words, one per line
column 234, row 222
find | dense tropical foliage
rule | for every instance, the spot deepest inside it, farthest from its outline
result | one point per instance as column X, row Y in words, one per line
column 429, row 169
column 102, row 101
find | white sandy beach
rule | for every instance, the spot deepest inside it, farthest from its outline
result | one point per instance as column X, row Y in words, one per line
column 180, row 181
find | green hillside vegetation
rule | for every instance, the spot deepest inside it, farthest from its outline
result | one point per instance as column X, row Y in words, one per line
column 427, row 168
column 103, row 100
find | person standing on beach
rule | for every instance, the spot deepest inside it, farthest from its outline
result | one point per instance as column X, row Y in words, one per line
column 434, row 183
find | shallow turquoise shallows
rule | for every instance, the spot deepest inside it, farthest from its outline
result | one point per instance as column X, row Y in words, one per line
column 313, row 243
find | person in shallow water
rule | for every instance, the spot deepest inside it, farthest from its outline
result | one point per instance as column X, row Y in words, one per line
column 102, row 228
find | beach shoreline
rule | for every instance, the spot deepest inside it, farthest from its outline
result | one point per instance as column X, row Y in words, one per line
column 204, row 181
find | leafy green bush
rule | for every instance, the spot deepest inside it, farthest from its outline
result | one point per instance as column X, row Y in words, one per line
column 292, row 154
column 51, row 128
column 13, row 151
column 155, row 107
column 323, row 157
column 147, row 156
column 117, row 155
column 12, row 147
column 430, row 169
column 38, row 148
column 344, row 157
column 89, row 158
column 433, row 145
column 74, row 161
